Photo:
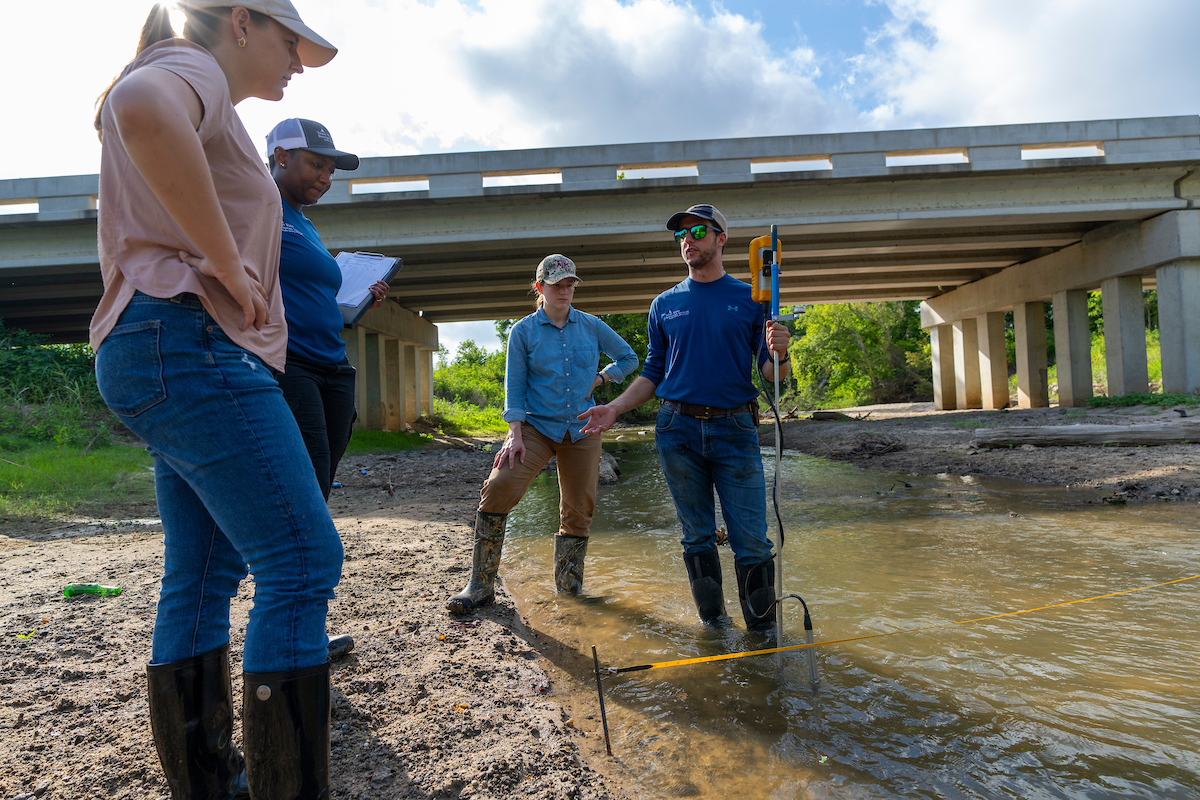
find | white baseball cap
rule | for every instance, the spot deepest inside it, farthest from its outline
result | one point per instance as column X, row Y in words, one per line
column 313, row 49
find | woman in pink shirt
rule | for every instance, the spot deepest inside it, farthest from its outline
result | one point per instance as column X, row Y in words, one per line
column 189, row 334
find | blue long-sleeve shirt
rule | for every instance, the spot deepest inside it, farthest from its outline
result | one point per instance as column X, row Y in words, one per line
column 549, row 370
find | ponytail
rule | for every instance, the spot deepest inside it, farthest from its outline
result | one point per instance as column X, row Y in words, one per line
column 157, row 28
column 201, row 28
column 540, row 299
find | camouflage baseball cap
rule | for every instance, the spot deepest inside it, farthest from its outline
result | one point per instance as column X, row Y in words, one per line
column 554, row 268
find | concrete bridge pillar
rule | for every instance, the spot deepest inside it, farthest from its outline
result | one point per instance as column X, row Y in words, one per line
column 356, row 348
column 1125, row 336
column 966, row 364
column 411, row 403
column 993, row 360
column 426, row 379
column 392, row 351
column 1072, row 348
column 1179, row 325
column 1029, row 329
column 941, row 341
column 396, row 405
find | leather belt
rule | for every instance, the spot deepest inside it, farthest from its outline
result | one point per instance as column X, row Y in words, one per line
column 703, row 412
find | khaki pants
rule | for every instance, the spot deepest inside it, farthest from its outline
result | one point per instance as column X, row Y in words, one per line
column 578, row 476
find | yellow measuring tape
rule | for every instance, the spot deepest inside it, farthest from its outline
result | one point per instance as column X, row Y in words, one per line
column 728, row 656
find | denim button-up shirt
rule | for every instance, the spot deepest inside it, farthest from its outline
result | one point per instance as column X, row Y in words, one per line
column 550, row 370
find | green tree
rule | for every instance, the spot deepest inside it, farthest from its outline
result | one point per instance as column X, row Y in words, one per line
column 854, row 353
column 475, row 376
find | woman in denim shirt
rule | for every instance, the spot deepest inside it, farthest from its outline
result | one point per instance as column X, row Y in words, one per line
column 553, row 355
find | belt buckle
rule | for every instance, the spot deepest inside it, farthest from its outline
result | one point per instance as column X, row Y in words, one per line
column 707, row 412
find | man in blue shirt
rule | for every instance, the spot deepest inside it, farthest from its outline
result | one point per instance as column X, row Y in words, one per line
column 706, row 334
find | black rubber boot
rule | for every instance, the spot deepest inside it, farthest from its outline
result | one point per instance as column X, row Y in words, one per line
column 756, row 591
column 704, row 575
column 191, row 715
column 485, row 560
column 568, row 563
column 285, row 719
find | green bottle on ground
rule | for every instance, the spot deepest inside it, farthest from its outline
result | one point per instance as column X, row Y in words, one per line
column 73, row 589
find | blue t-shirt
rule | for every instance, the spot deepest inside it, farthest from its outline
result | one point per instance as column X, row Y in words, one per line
column 704, row 338
column 549, row 370
column 310, row 278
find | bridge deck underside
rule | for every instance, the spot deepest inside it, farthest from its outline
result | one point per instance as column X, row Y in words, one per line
column 909, row 236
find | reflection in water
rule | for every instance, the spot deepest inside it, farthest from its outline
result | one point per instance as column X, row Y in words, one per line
column 1093, row 700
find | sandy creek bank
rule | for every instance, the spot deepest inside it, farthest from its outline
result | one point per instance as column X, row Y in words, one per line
column 425, row 706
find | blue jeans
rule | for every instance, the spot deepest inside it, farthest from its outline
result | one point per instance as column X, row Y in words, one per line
column 234, row 486
column 721, row 453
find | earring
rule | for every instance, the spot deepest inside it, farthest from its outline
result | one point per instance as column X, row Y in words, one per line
column 241, row 41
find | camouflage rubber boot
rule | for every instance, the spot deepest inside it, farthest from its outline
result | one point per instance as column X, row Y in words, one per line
column 485, row 560
column 568, row 563
column 704, row 575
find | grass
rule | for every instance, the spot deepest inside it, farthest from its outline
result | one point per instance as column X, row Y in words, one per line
column 464, row 419
column 376, row 442
column 44, row 479
column 1168, row 400
column 1100, row 378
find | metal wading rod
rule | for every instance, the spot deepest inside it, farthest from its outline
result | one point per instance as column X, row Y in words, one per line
column 778, row 444
column 600, row 693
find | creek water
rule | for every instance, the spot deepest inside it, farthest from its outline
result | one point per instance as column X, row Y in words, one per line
column 1097, row 699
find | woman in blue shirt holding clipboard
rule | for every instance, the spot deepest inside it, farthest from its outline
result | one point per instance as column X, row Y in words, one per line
column 318, row 381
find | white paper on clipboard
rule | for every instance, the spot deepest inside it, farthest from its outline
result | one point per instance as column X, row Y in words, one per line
column 360, row 271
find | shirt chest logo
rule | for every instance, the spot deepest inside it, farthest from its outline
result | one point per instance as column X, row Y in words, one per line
column 673, row 313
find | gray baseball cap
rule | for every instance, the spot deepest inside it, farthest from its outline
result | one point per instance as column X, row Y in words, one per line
column 703, row 211
column 304, row 134
column 554, row 268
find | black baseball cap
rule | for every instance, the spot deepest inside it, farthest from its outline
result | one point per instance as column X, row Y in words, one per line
column 703, row 211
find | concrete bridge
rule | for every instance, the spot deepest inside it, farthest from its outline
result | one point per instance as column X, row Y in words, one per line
column 972, row 221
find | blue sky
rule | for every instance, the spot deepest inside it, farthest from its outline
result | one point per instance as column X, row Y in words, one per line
column 419, row 76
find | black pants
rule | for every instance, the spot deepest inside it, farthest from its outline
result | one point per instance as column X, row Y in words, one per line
column 321, row 397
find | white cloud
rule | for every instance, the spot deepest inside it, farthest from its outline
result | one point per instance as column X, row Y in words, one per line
column 435, row 75
column 949, row 62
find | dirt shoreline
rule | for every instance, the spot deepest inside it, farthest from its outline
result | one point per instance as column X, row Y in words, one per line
column 916, row 438
column 426, row 705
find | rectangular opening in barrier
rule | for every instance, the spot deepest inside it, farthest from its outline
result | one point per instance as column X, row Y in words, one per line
column 638, row 173
column 536, row 179
column 19, row 207
column 380, row 187
column 927, row 158
column 1078, row 150
column 796, row 165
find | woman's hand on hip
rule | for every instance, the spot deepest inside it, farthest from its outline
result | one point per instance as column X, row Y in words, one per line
column 247, row 292
column 512, row 449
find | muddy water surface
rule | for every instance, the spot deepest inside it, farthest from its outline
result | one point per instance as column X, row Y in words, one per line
column 1097, row 699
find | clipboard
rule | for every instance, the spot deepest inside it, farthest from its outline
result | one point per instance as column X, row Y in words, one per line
column 360, row 271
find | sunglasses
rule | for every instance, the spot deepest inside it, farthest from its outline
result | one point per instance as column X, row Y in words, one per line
column 698, row 232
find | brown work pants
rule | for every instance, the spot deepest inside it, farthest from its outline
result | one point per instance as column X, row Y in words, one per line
column 578, row 476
